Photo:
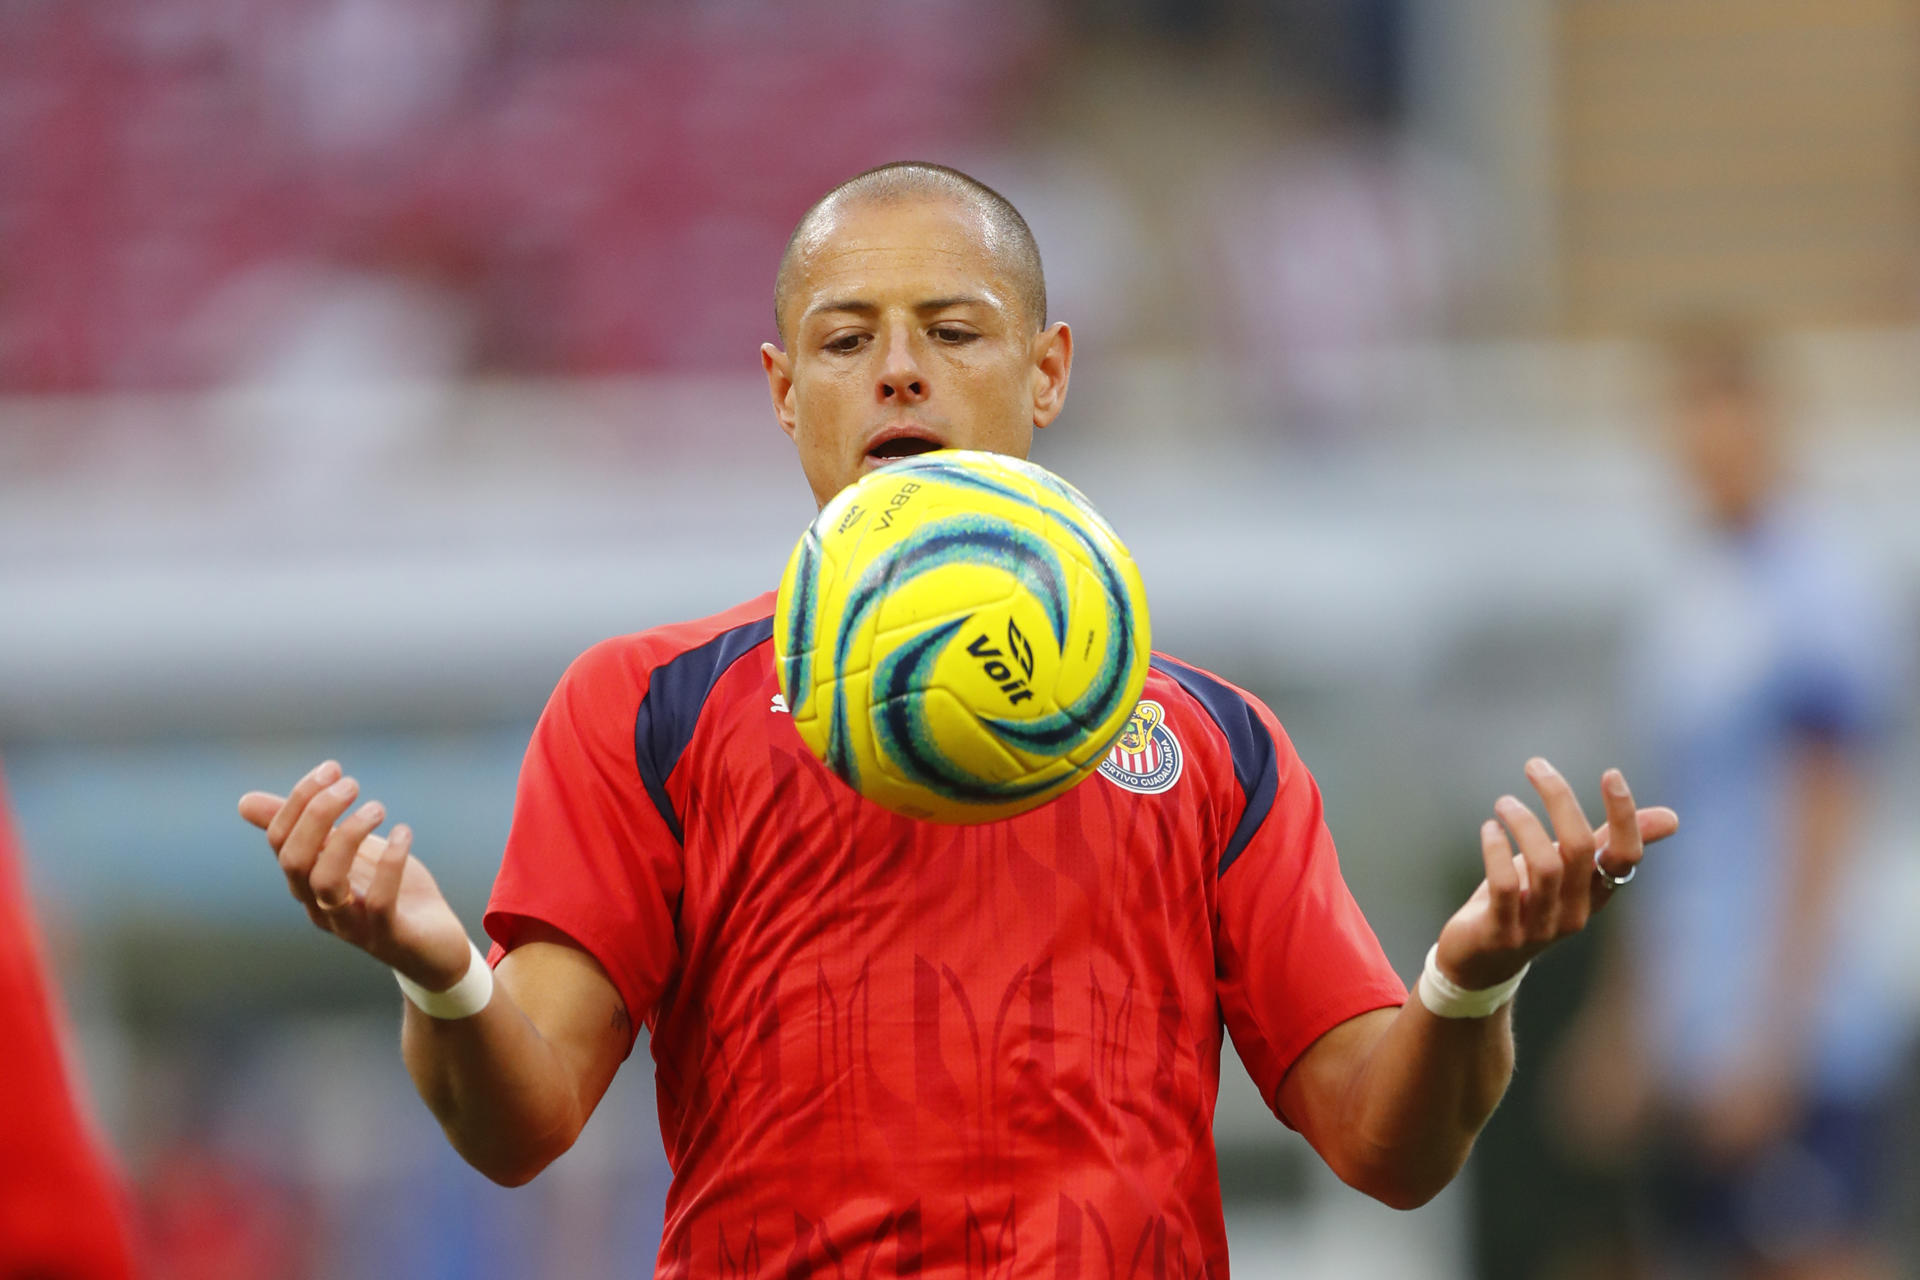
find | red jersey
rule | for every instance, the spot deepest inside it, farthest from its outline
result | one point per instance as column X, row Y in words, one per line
column 892, row 1048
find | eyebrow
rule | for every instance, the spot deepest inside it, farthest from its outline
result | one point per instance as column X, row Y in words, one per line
column 862, row 307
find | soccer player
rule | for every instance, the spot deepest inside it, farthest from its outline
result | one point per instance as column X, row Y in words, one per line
column 921, row 1049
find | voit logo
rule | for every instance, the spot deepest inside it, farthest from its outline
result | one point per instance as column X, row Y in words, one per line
column 1146, row 758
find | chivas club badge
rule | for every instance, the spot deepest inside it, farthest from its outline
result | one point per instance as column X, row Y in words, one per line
column 1147, row 756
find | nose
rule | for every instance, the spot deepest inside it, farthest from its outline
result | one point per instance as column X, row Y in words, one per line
column 902, row 380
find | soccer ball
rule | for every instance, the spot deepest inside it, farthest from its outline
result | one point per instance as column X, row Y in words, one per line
column 960, row 636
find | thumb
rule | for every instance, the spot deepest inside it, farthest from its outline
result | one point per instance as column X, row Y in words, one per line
column 258, row 807
column 1657, row 823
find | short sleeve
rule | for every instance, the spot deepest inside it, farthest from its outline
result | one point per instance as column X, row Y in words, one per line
column 590, row 853
column 1844, row 673
column 1295, row 957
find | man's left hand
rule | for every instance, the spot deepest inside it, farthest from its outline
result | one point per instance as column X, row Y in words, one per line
column 1550, row 888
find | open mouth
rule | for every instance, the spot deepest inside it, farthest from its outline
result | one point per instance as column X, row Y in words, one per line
column 901, row 447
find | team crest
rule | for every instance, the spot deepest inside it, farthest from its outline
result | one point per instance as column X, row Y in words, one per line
column 1147, row 756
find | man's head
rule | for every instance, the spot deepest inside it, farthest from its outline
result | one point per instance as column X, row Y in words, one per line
column 1723, row 417
column 912, row 312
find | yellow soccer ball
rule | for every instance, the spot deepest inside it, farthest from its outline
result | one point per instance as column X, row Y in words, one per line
column 960, row 636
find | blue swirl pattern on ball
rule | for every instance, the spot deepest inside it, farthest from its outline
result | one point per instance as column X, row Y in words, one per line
column 801, row 620
column 1067, row 727
column 907, row 738
column 903, row 735
column 962, row 539
column 872, row 627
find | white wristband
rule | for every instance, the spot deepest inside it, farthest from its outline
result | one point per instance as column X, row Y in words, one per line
column 461, row 1000
column 1446, row 998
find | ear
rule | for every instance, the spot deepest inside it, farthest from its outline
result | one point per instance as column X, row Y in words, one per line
column 779, row 367
column 1052, row 364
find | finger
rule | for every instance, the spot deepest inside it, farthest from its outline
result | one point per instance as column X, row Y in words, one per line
column 330, row 881
column 1657, row 824
column 1503, row 879
column 258, row 807
column 1573, row 835
column 1571, row 830
column 303, row 843
column 321, row 775
column 365, row 860
column 384, row 892
column 282, row 822
column 1540, row 910
column 1623, row 844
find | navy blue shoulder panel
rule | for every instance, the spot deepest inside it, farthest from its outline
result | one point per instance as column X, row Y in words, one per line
column 1254, row 765
column 676, row 692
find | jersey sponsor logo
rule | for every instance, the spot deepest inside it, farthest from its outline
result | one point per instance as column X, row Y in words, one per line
column 780, row 704
column 1147, row 757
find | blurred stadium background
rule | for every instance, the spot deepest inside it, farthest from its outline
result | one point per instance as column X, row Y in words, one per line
column 361, row 361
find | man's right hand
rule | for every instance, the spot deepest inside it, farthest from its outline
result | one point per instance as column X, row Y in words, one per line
column 355, row 885
column 513, row 1084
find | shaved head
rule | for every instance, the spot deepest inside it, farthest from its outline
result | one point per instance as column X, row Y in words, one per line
column 1005, row 232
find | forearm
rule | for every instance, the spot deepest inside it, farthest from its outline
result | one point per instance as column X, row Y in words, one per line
column 511, row 1084
column 496, row 1086
column 1820, row 837
column 1420, row 1099
column 1394, row 1099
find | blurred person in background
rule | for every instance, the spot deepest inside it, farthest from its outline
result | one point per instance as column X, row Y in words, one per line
column 1740, row 1055
column 62, row 1212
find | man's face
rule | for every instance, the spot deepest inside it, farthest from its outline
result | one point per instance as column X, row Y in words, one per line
column 1728, row 451
column 907, row 332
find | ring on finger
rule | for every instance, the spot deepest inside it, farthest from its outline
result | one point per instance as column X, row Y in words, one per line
column 346, row 901
column 1608, row 878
